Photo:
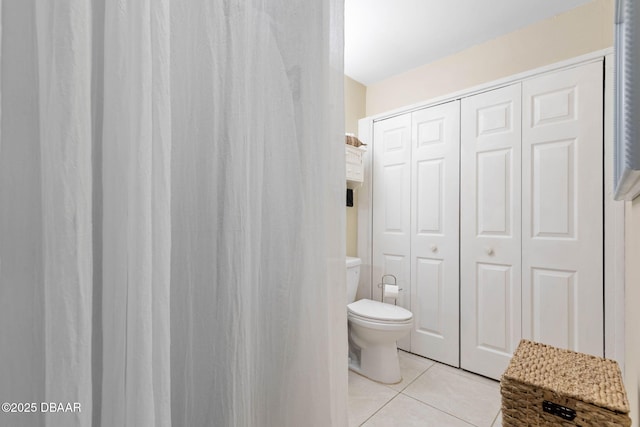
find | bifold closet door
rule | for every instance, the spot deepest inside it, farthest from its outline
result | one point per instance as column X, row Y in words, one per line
column 391, row 246
column 435, row 232
column 490, row 221
column 562, row 196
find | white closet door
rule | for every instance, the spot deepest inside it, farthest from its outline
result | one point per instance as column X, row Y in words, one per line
column 435, row 232
column 562, row 197
column 490, row 216
column 391, row 207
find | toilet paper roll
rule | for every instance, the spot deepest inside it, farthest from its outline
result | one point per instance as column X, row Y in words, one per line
column 391, row 291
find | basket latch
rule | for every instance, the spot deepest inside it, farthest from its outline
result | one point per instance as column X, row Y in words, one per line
column 558, row 410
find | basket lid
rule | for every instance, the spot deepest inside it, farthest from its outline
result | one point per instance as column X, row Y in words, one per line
column 580, row 376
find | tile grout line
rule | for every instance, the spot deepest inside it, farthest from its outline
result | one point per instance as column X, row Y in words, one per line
column 493, row 423
column 456, row 371
column 442, row 411
column 493, row 420
column 380, row 408
column 414, row 380
column 399, row 392
column 470, row 375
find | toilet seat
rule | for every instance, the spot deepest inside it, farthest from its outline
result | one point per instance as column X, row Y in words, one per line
column 378, row 312
column 379, row 325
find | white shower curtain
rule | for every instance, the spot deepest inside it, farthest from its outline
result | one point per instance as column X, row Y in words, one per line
column 171, row 220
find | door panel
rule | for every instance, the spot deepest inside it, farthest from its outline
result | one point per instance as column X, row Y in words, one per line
column 490, row 240
column 495, row 193
column 395, row 211
column 554, row 291
column 562, row 244
column 430, row 209
column 429, row 291
column 391, row 208
column 435, row 232
column 553, row 170
column 493, row 318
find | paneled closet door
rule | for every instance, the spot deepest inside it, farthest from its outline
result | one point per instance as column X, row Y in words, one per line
column 435, row 232
column 391, row 207
column 490, row 243
column 562, row 196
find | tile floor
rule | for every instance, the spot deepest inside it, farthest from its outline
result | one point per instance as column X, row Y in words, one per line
column 430, row 395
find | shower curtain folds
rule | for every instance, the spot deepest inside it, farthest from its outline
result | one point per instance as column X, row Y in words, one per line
column 171, row 219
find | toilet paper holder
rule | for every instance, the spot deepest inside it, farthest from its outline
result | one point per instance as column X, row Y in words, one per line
column 394, row 283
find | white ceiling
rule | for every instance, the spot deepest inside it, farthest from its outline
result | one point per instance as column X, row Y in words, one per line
column 387, row 37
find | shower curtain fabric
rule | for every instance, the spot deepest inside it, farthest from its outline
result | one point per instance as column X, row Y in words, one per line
column 171, row 221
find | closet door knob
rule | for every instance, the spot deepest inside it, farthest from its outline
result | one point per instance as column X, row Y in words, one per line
column 434, row 248
column 488, row 250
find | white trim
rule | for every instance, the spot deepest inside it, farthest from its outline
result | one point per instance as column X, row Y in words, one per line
column 495, row 84
column 614, row 211
column 614, row 268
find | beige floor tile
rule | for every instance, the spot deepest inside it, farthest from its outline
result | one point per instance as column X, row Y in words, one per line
column 472, row 376
column 403, row 411
column 458, row 395
column 411, row 367
column 365, row 398
column 498, row 421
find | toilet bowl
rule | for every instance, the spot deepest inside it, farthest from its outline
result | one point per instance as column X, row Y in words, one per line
column 374, row 328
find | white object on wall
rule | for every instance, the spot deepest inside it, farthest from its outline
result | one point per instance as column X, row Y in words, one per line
column 627, row 101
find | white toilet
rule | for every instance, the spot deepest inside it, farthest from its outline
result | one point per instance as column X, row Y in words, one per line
column 374, row 328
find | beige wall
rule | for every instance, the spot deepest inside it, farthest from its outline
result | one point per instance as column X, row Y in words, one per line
column 632, row 313
column 581, row 30
column 354, row 110
column 354, row 104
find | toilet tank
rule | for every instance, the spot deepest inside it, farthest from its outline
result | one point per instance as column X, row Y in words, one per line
column 353, row 278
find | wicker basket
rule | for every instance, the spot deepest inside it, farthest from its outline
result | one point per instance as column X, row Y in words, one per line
column 547, row 386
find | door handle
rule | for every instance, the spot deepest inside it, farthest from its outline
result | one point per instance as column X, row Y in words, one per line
column 489, row 250
column 434, row 248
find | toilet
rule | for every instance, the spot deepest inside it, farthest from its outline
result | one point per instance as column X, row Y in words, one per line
column 374, row 328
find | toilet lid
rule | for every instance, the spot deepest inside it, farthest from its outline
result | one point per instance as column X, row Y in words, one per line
column 379, row 310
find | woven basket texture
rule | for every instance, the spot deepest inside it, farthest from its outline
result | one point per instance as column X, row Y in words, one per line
column 591, row 386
